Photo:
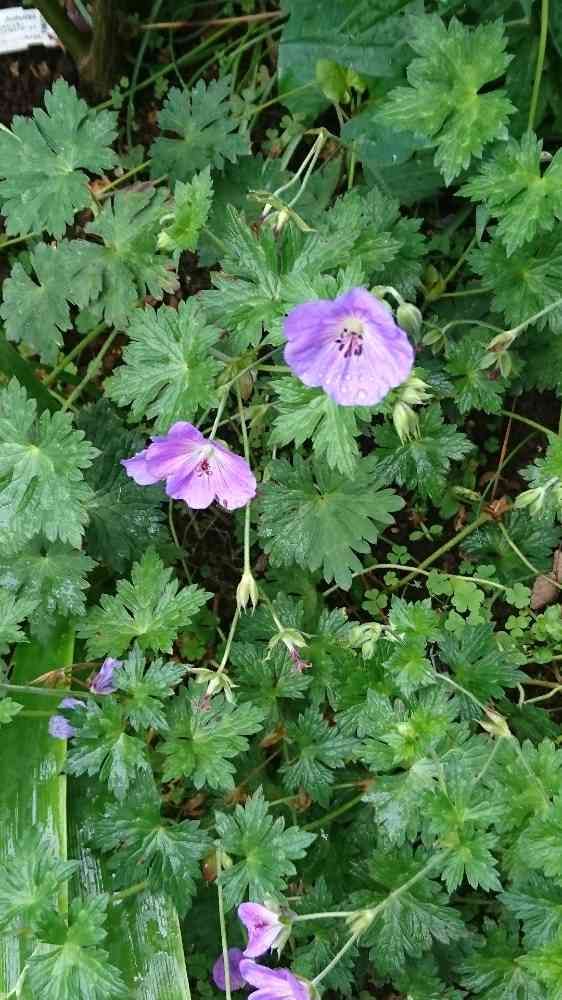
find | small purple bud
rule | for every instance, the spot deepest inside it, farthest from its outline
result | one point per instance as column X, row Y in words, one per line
column 235, row 956
column 60, row 728
column 102, row 682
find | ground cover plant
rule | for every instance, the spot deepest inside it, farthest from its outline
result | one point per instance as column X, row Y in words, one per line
column 280, row 504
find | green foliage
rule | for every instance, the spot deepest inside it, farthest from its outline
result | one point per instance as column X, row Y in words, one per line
column 103, row 748
column 266, row 682
column 35, row 309
column 8, row 710
column 70, row 963
column 146, row 688
column 515, row 191
column 423, row 462
column 151, row 609
column 44, row 160
column 310, row 414
column 305, row 516
column 478, row 663
column 443, row 101
column 316, row 750
column 41, row 472
column 262, row 850
column 168, row 374
column 150, row 847
column 206, row 132
column 53, row 578
column 525, row 281
column 205, row 736
column 474, row 387
column 30, row 878
column 122, row 518
column 14, row 609
column 495, row 971
column 191, row 207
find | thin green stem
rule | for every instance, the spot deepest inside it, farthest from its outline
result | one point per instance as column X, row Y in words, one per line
column 174, row 535
column 540, row 64
column 523, row 557
column 47, row 692
column 281, row 97
column 337, row 958
column 18, row 239
column 416, row 570
column 218, row 415
column 516, row 330
column 338, row 811
column 528, row 421
column 464, row 294
column 229, row 641
column 92, row 371
column 222, row 922
column 446, row 547
column 329, row 915
column 74, row 353
column 124, row 177
column 132, row 890
column 188, row 57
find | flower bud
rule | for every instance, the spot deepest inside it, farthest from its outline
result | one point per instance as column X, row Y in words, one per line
column 496, row 725
column 502, row 342
column 414, row 391
column 247, row 590
column 409, row 317
column 405, row 422
column 361, row 920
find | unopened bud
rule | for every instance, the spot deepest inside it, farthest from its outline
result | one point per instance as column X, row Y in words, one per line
column 497, row 725
column 409, row 317
column 502, row 342
column 414, row 391
column 405, row 422
column 247, row 590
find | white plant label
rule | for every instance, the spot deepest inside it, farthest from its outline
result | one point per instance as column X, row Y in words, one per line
column 20, row 28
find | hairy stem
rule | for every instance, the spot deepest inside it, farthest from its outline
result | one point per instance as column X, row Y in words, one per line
column 540, row 63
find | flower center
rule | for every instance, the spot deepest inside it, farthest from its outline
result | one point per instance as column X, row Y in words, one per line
column 204, row 469
column 350, row 338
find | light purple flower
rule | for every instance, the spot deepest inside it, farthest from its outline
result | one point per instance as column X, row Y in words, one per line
column 60, row 728
column 350, row 346
column 101, row 682
column 236, row 981
column 196, row 469
column 263, row 926
column 273, row 984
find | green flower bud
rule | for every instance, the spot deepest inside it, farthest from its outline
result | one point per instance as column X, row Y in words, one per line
column 409, row 318
column 247, row 590
column 405, row 422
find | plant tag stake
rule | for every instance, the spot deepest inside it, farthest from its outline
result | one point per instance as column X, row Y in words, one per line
column 20, row 29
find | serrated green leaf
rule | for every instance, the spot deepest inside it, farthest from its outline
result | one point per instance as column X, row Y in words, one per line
column 423, row 462
column 41, row 466
column 53, row 578
column 310, row 414
column 31, row 876
column 262, row 849
column 8, row 710
column 169, row 373
column 75, row 966
column 44, row 158
column 150, row 609
column 149, row 846
column 14, row 610
column 316, row 750
column 123, row 520
column 111, row 277
column 205, row 130
column 102, row 747
column 35, row 309
column 515, row 191
column 146, row 689
column 443, row 101
column 191, row 207
column 474, row 387
column 204, row 738
column 266, row 682
column 304, row 516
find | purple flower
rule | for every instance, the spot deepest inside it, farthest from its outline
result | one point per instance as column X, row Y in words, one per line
column 298, row 663
column 60, row 728
column 101, row 682
column 350, row 346
column 236, row 981
column 263, row 926
column 273, row 984
column 195, row 469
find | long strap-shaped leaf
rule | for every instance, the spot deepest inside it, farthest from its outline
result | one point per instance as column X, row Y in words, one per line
column 32, row 787
column 144, row 937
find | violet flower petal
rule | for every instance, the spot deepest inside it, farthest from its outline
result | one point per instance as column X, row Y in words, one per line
column 263, row 926
column 102, row 681
column 60, row 728
column 351, row 347
column 273, row 984
column 236, row 980
column 136, row 467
